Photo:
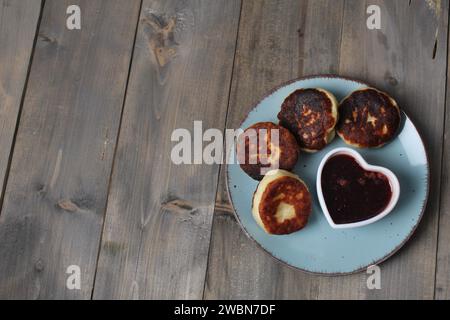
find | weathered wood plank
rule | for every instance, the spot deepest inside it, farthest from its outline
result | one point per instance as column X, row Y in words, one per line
column 277, row 41
column 18, row 27
column 442, row 290
column 56, row 193
column 399, row 59
column 157, row 229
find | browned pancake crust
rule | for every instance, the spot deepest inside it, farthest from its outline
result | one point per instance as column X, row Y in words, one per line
column 294, row 193
column 289, row 150
column 307, row 113
column 368, row 118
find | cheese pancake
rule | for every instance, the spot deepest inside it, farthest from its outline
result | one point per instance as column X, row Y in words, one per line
column 282, row 203
column 311, row 115
column 368, row 118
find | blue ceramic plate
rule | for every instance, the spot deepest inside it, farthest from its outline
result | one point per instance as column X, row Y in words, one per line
column 318, row 248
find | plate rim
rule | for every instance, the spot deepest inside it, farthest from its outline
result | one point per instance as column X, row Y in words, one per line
column 318, row 273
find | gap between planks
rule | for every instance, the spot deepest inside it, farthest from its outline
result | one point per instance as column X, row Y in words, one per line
column 224, row 153
column 116, row 144
column 22, row 100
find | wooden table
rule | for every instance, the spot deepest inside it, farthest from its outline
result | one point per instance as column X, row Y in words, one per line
column 86, row 118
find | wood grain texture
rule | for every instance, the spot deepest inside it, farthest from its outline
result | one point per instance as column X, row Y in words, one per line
column 56, row 193
column 157, row 240
column 442, row 291
column 401, row 59
column 157, row 229
column 268, row 53
column 407, row 58
column 18, row 27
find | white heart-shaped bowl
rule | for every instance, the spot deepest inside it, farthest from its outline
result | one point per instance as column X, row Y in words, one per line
column 393, row 181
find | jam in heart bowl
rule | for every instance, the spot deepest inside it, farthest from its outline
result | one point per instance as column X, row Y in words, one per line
column 353, row 193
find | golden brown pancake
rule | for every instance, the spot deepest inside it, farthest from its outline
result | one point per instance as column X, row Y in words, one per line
column 281, row 203
column 255, row 158
column 311, row 115
column 368, row 118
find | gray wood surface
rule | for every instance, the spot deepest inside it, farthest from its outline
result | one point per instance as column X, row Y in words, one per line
column 18, row 27
column 90, row 181
column 442, row 291
column 400, row 59
column 57, row 188
column 156, row 235
column 268, row 54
